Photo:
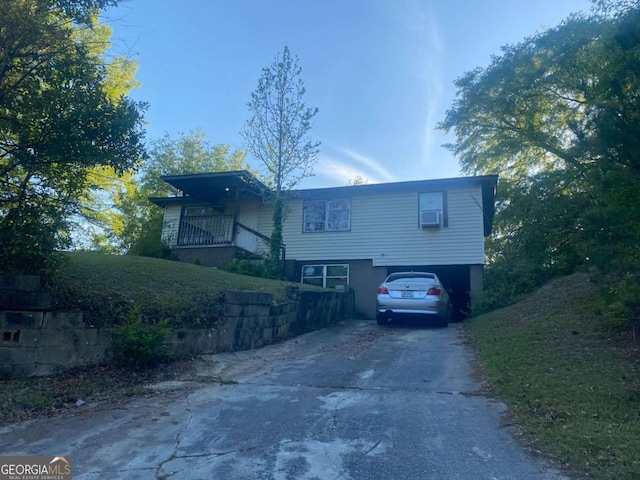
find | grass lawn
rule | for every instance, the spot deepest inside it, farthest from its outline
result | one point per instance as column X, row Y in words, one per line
column 572, row 386
column 107, row 287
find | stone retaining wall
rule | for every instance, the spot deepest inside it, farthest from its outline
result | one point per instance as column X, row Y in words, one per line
column 35, row 339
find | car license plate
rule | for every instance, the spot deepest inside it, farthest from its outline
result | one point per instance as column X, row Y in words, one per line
column 406, row 294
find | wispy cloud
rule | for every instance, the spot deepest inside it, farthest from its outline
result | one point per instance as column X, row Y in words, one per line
column 373, row 169
column 421, row 21
column 345, row 164
column 338, row 172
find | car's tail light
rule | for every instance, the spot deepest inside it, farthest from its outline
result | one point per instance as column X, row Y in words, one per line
column 383, row 291
column 434, row 291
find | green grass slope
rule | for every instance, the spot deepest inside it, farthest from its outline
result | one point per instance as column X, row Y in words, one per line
column 572, row 386
column 107, row 287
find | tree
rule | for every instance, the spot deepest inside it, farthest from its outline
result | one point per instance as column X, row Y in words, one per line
column 359, row 180
column 58, row 122
column 131, row 223
column 277, row 134
column 558, row 116
column 105, row 183
column 565, row 98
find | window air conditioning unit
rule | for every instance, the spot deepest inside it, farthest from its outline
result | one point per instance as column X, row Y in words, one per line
column 430, row 219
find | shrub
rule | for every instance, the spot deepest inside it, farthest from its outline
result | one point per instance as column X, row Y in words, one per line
column 167, row 252
column 29, row 243
column 136, row 344
column 620, row 303
column 252, row 267
column 505, row 283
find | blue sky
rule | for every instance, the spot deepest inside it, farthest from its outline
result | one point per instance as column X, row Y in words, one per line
column 380, row 72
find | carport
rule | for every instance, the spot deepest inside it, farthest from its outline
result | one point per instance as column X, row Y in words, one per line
column 459, row 280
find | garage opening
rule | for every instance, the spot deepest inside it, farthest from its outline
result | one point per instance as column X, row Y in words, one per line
column 456, row 280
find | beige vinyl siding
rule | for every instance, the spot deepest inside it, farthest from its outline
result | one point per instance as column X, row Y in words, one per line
column 249, row 215
column 385, row 228
column 265, row 226
column 171, row 224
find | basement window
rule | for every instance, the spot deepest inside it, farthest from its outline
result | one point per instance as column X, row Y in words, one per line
column 327, row 276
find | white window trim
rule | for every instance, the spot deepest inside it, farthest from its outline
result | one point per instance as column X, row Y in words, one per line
column 326, row 228
column 325, row 268
column 441, row 209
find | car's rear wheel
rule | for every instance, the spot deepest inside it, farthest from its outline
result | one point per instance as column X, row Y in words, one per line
column 443, row 321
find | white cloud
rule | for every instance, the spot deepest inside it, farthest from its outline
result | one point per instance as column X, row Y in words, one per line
column 373, row 170
column 346, row 164
column 337, row 172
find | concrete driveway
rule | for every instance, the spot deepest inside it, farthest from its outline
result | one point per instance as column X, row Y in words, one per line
column 355, row 401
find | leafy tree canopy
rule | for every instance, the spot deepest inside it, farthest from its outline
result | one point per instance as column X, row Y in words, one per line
column 190, row 153
column 558, row 117
column 564, row 98
column 128, row 221
column 61, row 116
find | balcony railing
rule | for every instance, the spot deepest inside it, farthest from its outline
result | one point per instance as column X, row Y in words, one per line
column 206, row 230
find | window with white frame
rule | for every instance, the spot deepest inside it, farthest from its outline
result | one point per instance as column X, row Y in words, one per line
column 327, row 276
column 433, row 209
column 327, row 215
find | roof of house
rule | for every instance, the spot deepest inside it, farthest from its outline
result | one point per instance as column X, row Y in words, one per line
column 218, row 186
column 214, row 187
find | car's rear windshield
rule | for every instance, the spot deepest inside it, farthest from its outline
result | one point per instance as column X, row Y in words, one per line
column 406, row 276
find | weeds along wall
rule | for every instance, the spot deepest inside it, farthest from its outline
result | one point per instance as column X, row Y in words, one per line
column 37, row 340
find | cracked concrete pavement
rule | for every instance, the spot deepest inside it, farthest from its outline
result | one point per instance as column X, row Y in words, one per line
column 355, row 401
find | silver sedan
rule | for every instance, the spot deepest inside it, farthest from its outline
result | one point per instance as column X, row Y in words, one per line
column 413, row 294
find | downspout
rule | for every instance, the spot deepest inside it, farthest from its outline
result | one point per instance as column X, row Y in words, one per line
column 283, row 249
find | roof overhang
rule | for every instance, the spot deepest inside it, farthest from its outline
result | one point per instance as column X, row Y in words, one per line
column 217, row 186
column 164, row 201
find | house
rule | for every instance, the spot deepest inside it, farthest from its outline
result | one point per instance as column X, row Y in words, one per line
column 333, row 237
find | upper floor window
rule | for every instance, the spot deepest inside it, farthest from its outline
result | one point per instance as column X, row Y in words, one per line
column 433, row 210
column 327, row 215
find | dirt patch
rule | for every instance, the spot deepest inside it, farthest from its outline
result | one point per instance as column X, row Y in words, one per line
column 477, row 369
column 90, row 387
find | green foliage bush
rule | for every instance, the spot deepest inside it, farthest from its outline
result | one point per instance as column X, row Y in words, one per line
column 505, row 281
column 29, row 244
column 137, row 344
column 167, row 252
column 619, row 305
column 256, row 268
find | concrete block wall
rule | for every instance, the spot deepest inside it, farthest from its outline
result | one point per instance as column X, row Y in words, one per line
column 46, row 342
column 36, row 339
